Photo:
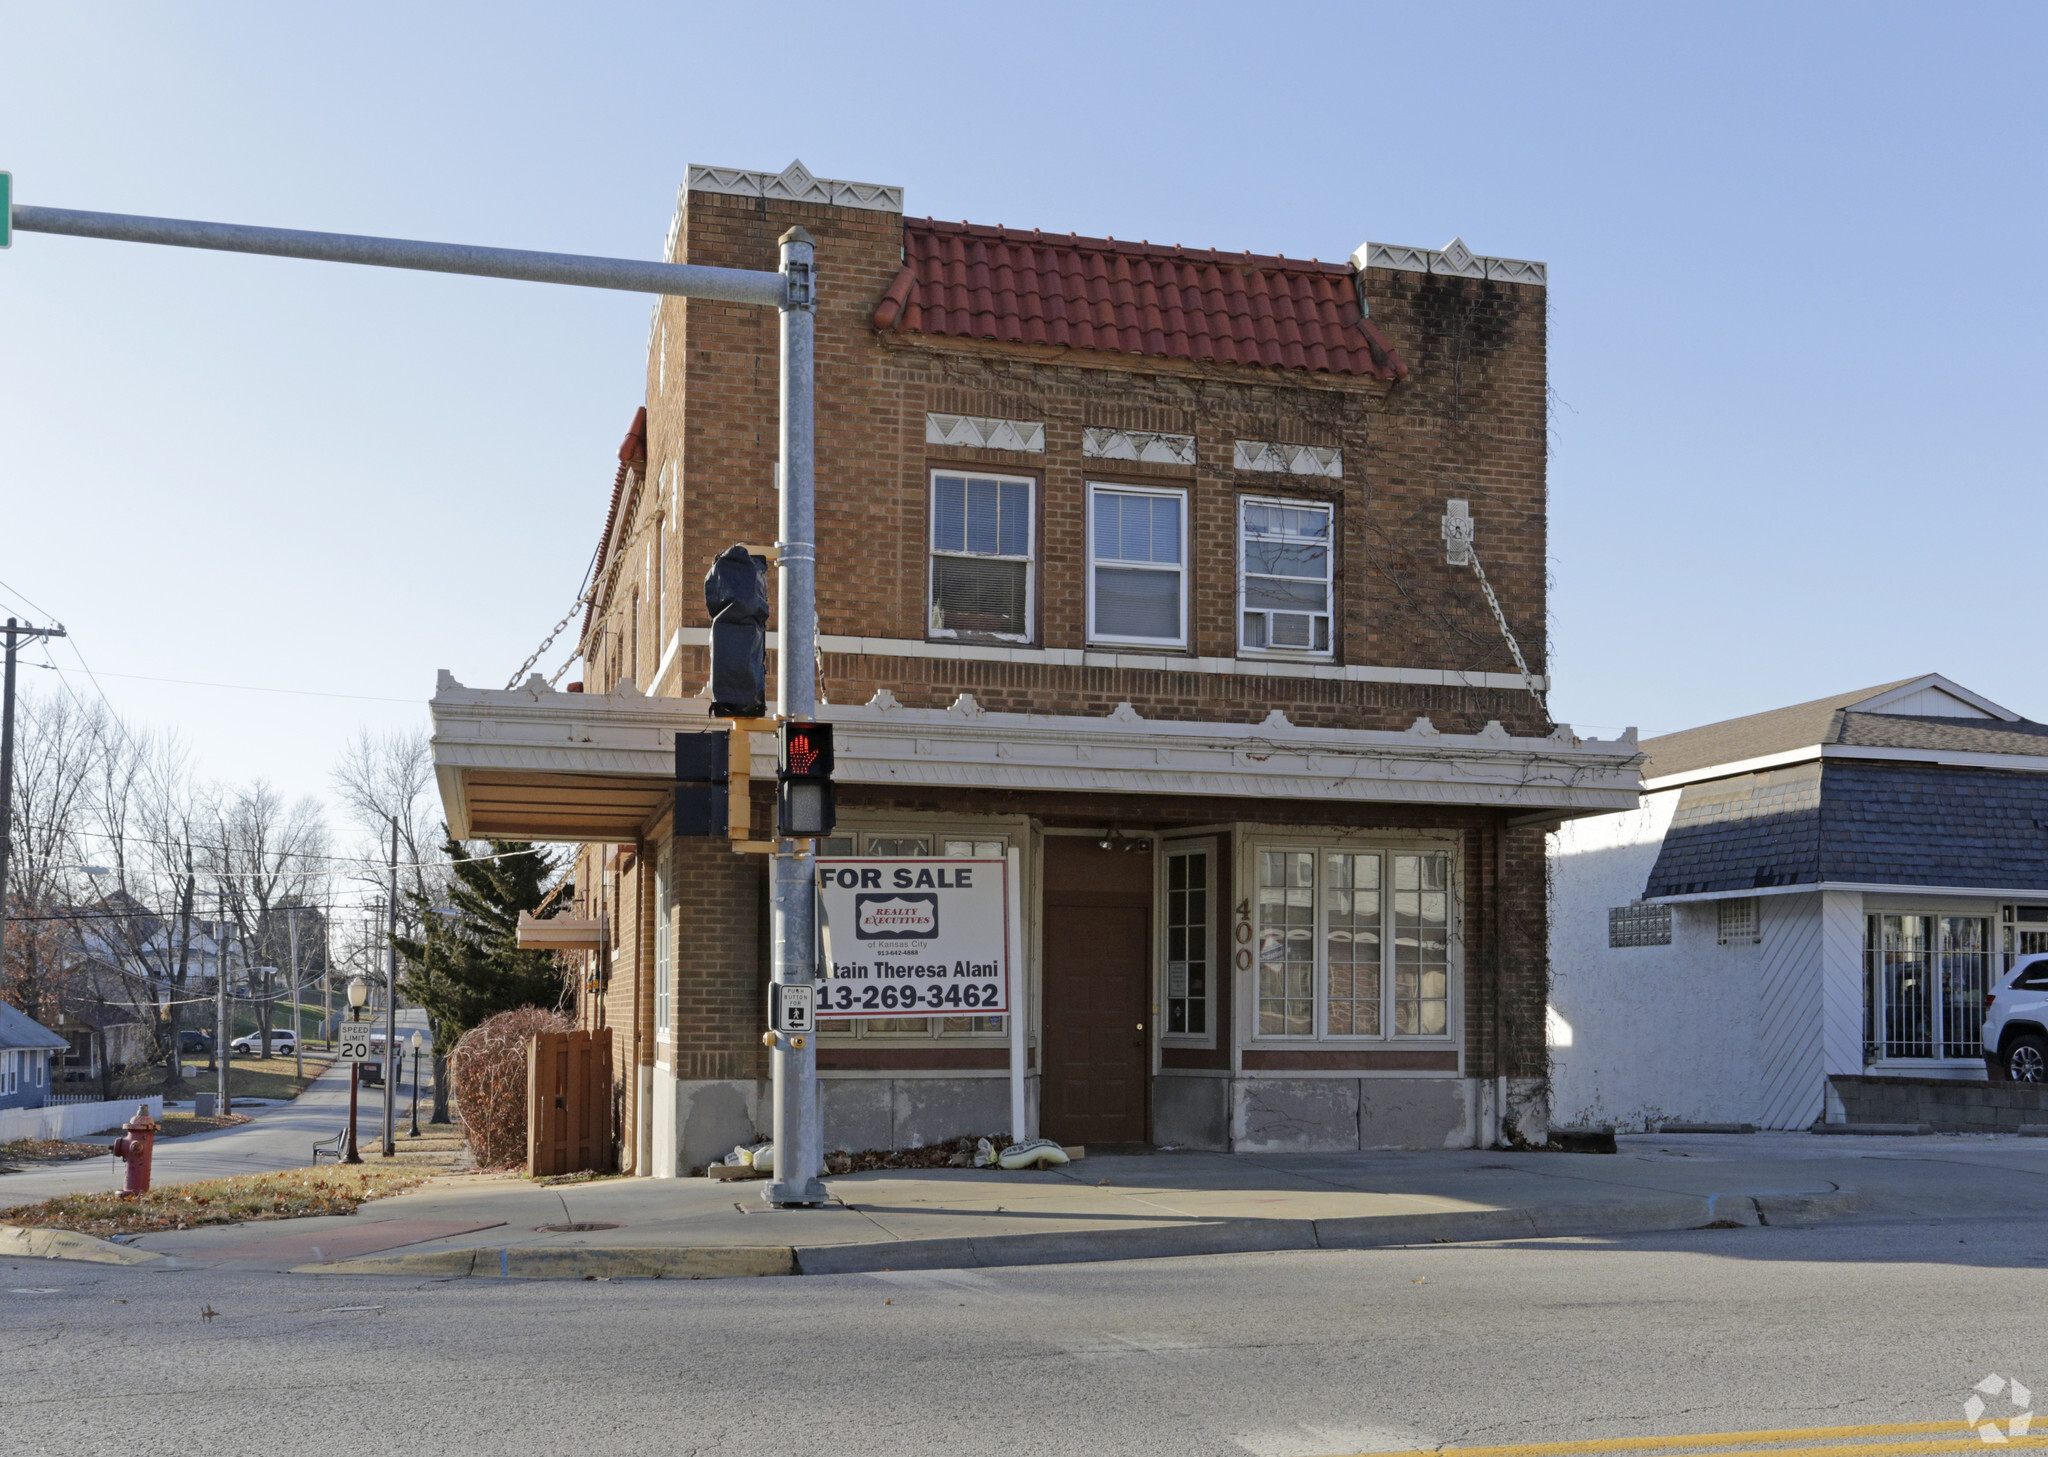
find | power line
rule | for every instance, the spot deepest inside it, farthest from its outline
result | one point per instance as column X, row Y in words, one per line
column 241, row 687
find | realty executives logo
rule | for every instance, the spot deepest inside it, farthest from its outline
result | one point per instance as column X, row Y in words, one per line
column 1985, row 1423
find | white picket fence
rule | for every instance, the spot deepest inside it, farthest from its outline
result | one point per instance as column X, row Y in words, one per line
column 69, row 1120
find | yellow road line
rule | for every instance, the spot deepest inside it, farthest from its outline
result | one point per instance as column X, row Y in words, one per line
column 1957, row 1435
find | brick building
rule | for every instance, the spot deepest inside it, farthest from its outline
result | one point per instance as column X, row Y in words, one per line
column 1131, row 558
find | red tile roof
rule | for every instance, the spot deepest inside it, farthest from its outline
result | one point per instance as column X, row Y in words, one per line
column 965, row 281
column 632, row 454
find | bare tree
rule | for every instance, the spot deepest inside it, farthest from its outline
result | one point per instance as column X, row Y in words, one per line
column 267, row 857
column 57, row 750
column 385, row 778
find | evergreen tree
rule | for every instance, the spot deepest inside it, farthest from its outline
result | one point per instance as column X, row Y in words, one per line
column 468, row 966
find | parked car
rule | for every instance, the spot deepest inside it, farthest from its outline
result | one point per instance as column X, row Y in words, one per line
column 2016, row 1023
column 280, row 1041
column 192, row 1041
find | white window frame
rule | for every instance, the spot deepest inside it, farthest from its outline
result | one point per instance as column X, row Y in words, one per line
column 1245, row 860
column 1329, row 612
column 1219, row 951
column 1180, row 493
column 1029, row 559
column 664, row 946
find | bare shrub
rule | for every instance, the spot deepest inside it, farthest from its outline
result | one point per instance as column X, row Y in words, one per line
column 489, row 1074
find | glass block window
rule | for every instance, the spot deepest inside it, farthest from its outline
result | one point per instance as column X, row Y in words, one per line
column 1353, row 943
column 1639, row 925
column 1737, row 921
column 1137, row 577
column 1284, row 576
column 981, row 556
column 1190, row 942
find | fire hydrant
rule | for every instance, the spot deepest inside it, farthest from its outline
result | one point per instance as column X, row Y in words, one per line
column 136, row 1149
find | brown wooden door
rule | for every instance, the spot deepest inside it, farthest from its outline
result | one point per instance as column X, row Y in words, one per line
column 1098, row 1062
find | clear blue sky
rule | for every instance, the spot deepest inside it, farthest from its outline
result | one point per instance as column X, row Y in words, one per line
column 1796, row 307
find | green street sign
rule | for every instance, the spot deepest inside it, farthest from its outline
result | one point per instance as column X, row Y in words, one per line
column 6, row 209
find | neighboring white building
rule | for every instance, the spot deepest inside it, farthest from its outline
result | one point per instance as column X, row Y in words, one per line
column 1805, row 900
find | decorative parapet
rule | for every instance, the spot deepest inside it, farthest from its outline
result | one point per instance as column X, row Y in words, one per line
column 794, row 183
column 1293, row 460
column 981, row 432
column 1124, row 753
column 1454, row 260
column 1139, row 445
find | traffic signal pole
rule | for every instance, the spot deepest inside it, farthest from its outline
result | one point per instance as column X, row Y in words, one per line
column 792, row 290
column 799, row 1130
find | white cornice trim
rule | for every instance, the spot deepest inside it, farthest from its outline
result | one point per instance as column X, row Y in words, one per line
column 1453, row 259
column 1946, row 758
column 966, row 746
column 534, row 729
column 903, row 647
column 1872, row 887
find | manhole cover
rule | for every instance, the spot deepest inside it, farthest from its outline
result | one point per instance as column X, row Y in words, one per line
column 570, row 1228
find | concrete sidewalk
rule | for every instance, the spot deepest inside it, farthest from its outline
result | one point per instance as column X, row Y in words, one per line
column 1133, row 1207
column 280, row 1136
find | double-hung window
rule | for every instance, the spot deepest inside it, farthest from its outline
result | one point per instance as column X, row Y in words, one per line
column 664, row 947
column 1283, row 579
column 1137, row 566
column 1353, row 943
column 981, row 556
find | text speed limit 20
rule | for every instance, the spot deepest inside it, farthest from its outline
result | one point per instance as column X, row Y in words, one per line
column 913, row 937
column 355, row 1042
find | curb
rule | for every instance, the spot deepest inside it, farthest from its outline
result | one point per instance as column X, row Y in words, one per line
column 65, row 1244
column 542, row 1262
column 1208, row 1237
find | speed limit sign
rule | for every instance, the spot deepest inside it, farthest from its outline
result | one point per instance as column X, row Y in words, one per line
column 355, row 1042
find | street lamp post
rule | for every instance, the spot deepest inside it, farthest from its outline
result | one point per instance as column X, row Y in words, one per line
column 418, row 1043
column 358, row 993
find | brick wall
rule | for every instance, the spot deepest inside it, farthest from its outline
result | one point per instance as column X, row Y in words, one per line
column 1467, row 422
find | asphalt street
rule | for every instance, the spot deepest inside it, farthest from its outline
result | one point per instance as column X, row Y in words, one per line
column 1281, row 1355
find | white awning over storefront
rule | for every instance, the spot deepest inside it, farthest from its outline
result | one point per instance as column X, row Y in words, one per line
column 531, row 763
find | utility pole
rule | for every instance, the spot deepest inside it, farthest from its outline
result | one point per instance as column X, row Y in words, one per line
column 221, row 1058
column 17, row 633
column 799, row 1130
column 391, row 1059
column 298, row 1020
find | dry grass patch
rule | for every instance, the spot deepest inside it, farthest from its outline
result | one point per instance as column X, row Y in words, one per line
column 47, row 1151
column 178, row 1125
column 290, row 1194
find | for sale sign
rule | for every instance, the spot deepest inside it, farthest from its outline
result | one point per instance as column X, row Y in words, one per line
column 913, row 937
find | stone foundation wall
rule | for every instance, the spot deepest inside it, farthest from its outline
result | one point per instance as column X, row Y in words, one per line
column 1946, row 1105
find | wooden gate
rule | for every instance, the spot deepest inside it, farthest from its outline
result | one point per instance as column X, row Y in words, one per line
column 569, row 1102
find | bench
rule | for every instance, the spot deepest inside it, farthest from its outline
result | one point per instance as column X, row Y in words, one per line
column 332, row 1147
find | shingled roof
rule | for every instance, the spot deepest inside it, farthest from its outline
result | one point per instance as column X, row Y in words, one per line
column 968, row 281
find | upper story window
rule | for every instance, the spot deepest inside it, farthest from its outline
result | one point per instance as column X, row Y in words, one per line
column 981, row 555
column 1283, row 580
column 1137, row 566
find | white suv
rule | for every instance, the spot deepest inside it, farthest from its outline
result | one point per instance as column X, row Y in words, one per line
column 2016, row 1023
